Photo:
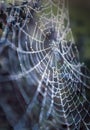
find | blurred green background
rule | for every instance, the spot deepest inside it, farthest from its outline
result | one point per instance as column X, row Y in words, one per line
column 79, row 11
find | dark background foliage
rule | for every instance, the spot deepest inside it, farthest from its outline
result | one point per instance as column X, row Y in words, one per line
column 80, row 23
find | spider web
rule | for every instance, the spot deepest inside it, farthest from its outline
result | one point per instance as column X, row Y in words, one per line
column 47, row 54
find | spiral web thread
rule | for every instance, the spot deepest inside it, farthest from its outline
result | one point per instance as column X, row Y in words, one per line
column 45, row 47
